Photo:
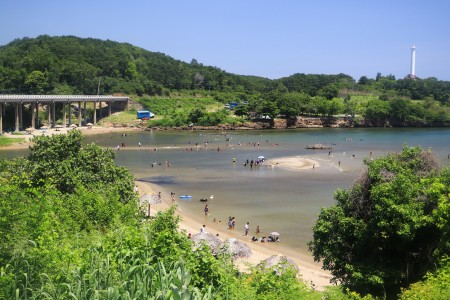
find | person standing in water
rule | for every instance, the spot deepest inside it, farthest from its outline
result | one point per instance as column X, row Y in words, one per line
column 206, row 209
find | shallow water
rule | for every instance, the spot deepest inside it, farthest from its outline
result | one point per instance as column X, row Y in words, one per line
column 285, row 201
column 279, row 200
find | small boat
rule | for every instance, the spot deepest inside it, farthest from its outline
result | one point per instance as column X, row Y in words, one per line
column 185, row 196
column 203, row 199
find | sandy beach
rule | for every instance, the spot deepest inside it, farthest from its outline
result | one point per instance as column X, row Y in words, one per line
column 311, row 272
column 91, row 130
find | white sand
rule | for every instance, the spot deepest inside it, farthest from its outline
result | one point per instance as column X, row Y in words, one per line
column 296, row 163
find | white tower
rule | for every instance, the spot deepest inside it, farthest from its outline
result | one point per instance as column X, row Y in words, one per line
column 413, row 62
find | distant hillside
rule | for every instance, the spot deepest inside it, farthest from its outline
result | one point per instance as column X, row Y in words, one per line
column 69, row 64
column 73, row 65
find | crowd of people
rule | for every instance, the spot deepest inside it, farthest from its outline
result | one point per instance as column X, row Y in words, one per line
column 232, row 224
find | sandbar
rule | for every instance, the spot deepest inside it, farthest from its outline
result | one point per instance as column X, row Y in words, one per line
column 294, row 163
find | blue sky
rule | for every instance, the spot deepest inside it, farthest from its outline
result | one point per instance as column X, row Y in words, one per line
column 271, row 39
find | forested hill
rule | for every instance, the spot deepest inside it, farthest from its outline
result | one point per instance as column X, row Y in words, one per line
column 73, row 65
column 69, row 64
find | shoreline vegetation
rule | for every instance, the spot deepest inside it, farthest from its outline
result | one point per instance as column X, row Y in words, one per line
column 310, row 271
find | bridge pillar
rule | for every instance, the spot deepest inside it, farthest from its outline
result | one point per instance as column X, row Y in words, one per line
column 95, row 113
column 109, row 108
column 101, row 113
column 20, row 115
column 53, row 114
column 33, row 115
column 64, row 114
column 16, row 129
column 84, row 113
column 37, row 115
column 70, row 114
column 1, row 118
column 79, row 113
column 49, row 115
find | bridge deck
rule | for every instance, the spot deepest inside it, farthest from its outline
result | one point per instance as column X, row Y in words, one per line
column 59, row 98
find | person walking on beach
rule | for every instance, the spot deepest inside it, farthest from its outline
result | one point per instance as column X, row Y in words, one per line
column 202, row 229
column 246, row 228
column 257, row 229
column 206, row 209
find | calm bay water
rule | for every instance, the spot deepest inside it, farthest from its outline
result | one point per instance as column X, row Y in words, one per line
column 276, row 199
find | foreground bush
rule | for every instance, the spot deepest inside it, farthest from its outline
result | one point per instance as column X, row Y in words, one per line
column 390, row 228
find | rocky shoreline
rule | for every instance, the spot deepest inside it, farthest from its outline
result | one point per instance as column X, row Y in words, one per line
column 308, row 122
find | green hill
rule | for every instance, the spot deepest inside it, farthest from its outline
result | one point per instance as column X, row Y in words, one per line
column 73, row 65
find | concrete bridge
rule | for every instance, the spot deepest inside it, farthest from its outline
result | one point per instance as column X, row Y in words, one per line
column 50, row 102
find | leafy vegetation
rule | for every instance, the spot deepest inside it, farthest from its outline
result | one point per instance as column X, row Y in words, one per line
column 70, row 228
column 390, row 228
column 71, row 65
column 435, row 286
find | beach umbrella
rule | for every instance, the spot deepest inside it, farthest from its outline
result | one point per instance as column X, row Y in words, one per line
column 29, row 129
column 211, row 240
column 261, row 157
column 58, row 126
column 148, row 199
column 274, row 233
column 43, row 127
column 236, row 248
column 73, row 125
column 89, row 124
column 279, row 263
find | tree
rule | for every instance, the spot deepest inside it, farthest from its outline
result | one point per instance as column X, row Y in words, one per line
column 390, row 228
column 241, row 110
column 196, row 114
column 377, row 111
column 363, row 80
column 378, row 77
column 330, row 91
column 400, row 109
column 62, row 161
column 290, row 104
column 36, row 82
column 335, row 106
column 270, row 109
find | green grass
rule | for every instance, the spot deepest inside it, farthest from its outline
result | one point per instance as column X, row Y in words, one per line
column 364, row 98
column 6, row 141
column 124, row 117
column 167, row 106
